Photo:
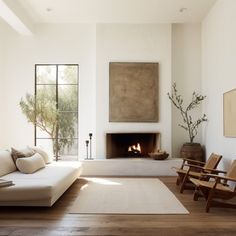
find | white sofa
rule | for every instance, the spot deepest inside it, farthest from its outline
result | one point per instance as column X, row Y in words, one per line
column 41, row 188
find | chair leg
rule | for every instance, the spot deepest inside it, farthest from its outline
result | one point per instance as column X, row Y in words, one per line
column 196, row 195
column 179, row 180
column 184, row 181
column 209, row 199
column 183, row 184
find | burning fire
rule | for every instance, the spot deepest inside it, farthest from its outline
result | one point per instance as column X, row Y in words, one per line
column 136, row 148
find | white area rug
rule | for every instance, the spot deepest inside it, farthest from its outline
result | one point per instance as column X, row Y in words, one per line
column 126, row 196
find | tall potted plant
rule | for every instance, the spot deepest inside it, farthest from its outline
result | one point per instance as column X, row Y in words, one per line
column 189, row 150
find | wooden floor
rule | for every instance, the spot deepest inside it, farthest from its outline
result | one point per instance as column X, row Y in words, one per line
column 56, row 220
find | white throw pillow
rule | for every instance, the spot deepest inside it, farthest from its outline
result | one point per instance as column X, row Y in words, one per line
column 29, row 165
column 45, row 156
column 7, row 165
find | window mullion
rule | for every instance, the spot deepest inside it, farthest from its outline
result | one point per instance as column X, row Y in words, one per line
column 35, row 103
column 57, row 128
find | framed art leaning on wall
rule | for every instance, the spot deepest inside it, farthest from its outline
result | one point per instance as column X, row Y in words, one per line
column 133, row 92
column 229, row 100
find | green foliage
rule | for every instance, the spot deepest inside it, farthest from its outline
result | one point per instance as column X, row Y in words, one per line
column 42, row 110
column 42, row 113
column 190, row 125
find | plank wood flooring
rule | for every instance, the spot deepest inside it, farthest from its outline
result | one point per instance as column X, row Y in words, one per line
column 25, row 221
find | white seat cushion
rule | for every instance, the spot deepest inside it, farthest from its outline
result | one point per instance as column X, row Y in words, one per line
column 41, row 188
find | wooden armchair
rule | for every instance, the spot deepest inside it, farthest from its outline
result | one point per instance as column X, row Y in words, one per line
column 219, row 188
column 195, row 169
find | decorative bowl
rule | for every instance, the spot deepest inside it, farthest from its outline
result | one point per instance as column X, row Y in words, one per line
column 158, row 155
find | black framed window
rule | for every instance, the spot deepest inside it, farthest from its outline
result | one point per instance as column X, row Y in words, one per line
column 56, row 93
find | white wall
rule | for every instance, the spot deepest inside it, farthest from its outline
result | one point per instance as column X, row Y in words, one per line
column 50, row 44
column 1, row 85
column 3, row 30
column 93, row 47
column 186, row 72
column 132, row 43
column 218, row 73
column 1, row 81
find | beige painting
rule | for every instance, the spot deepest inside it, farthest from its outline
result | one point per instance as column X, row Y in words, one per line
column 133, row 90
column 230, row 113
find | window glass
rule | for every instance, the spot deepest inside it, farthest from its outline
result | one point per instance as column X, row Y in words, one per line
column 57, row 109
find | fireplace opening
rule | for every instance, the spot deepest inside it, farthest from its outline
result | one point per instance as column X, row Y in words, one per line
column 131, row 144
column 135, row 149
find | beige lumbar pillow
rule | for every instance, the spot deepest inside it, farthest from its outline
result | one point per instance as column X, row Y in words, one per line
column 40, row 150
column 29, row 165
column 26, row 152
column 6, row 163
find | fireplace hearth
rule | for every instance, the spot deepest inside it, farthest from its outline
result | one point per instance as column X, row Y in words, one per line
column 125, row 145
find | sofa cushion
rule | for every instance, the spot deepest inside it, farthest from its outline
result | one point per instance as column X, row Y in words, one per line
column 29, row 165
column 42, row 188
column 43, row 153
column 26, row 152
column 6, row 163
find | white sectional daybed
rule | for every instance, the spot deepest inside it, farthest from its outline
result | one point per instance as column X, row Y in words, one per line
column 41, row 188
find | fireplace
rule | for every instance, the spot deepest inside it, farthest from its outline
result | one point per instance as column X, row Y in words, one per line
column 131, row 144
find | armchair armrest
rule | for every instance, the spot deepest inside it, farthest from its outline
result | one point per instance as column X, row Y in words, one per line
column 220, row 177
column 226, row 178
column 194, row 166
column 210, row 175
column 215, row 170
column 194, row 161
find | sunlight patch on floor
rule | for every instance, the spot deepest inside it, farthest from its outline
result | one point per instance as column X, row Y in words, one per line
column 104, row 181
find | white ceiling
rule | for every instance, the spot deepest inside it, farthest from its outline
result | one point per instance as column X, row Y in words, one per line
column 116, row 11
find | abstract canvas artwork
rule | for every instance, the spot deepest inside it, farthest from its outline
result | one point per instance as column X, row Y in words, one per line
column 230, row 113
column 133, row 92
